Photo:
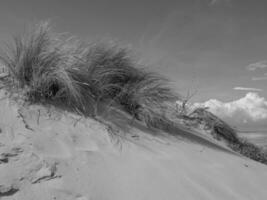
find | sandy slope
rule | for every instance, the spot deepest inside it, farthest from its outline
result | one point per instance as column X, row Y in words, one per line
column 45, row 154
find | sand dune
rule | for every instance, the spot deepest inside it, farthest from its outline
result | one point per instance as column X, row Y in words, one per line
column 48, row 154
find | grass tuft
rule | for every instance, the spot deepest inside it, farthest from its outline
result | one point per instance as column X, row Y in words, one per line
column 54, row 68
column 38, row 62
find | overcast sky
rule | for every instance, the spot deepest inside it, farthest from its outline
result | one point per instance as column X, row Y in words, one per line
column 217, row 47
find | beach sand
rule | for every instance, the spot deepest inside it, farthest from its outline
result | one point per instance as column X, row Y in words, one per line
column 47, row 154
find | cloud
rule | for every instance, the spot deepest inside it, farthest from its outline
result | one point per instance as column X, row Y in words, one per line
column 247, row 89
column 257, row 65
column 250, row 110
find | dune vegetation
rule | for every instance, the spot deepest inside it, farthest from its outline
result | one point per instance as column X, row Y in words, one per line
column 58, row 69
column 61, row 70
column 221, row 131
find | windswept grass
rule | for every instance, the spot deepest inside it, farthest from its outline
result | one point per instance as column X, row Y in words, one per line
column 38, row 62
column 54, row 68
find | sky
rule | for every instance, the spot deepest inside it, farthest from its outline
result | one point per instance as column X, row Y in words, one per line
column 214, row 49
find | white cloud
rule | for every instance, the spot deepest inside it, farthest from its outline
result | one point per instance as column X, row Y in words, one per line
column 247, row 89
column 258, row 65
column 250, row 110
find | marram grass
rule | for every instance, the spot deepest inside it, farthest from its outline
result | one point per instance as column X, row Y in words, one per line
column 61, row 70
